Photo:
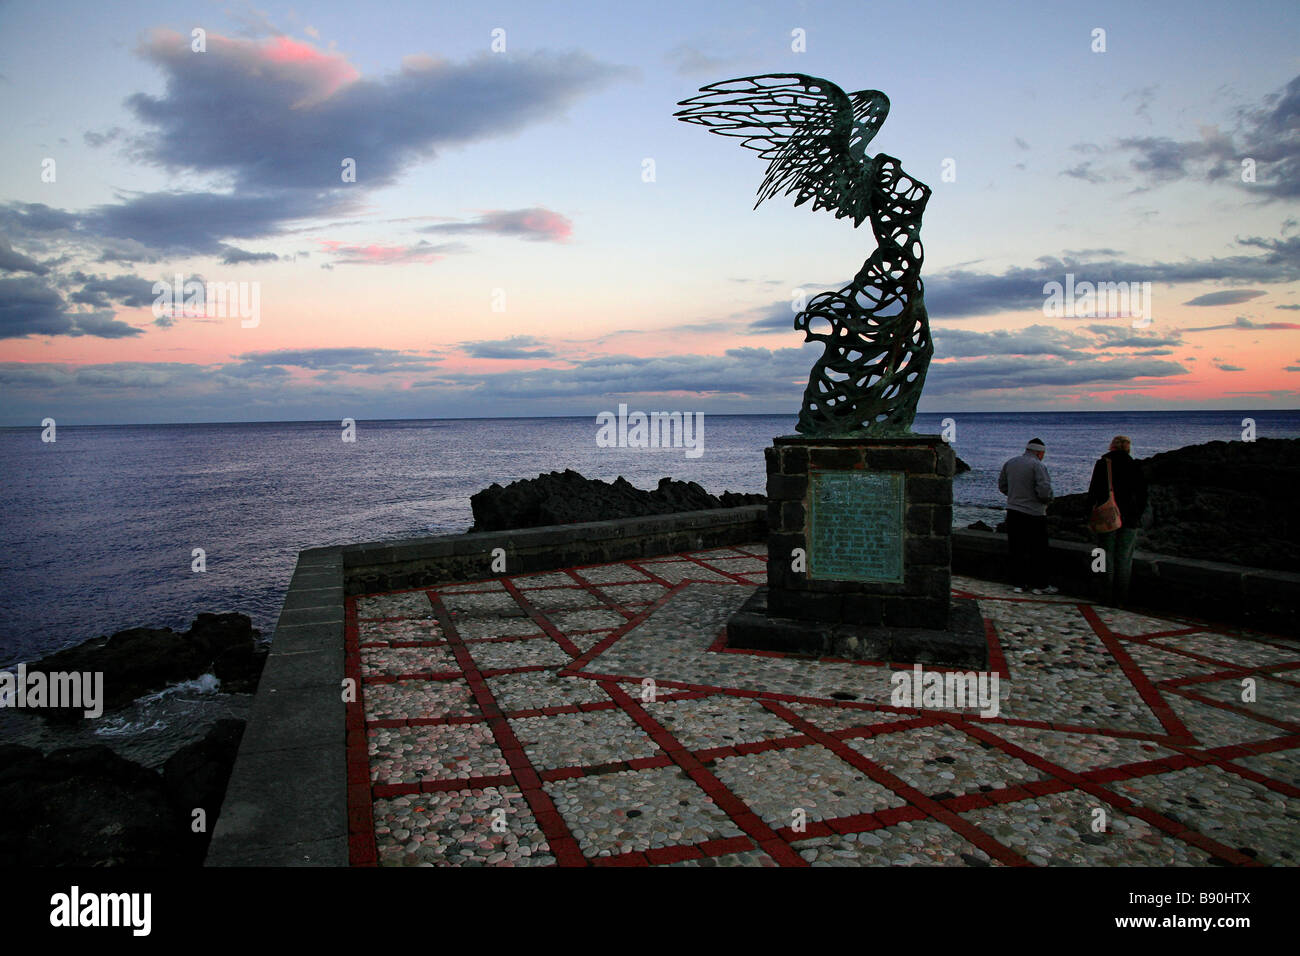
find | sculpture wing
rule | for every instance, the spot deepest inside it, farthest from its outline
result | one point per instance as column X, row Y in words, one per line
column 812, row 134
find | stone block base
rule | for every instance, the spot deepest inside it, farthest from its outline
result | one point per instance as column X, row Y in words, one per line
column 960, row 644
column 872, row 518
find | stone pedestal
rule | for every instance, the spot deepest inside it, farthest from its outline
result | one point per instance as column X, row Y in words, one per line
column 859, row 554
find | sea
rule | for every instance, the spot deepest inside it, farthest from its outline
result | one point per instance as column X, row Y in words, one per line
column 98, row 529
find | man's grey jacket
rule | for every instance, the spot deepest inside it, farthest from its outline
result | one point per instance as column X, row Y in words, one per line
column 1025, row 482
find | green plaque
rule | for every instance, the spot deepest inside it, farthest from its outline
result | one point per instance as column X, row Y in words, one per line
column 855, row 526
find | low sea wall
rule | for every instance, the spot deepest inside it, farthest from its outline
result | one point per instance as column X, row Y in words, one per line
column 420, row 562
column 1226, row 593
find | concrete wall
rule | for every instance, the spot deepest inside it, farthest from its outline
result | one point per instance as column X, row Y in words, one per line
column 421, row 562
column 1229, row 593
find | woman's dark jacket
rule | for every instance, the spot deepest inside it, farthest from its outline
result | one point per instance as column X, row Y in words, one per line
column 1130, row 487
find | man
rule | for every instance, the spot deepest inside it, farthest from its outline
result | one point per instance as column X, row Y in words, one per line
column 1025, row 482
column 1130, row 487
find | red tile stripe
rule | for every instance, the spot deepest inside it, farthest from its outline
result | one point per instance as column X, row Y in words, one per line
column 562, row 843
column 739, row 812
column 917, row 800
column 1142, row 684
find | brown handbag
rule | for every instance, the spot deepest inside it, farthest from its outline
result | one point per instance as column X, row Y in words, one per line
column 1105, row 516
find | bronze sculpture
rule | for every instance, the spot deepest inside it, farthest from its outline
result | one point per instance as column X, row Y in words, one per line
column 875, row 330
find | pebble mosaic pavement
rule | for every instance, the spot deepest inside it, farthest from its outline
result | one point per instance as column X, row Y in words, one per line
column 595, row 717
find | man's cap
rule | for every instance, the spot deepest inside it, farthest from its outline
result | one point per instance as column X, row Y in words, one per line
column 1035, row 444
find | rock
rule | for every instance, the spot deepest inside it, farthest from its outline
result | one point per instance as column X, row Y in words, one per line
column 962, row 467
column 141, row 660
column 83, row 807
column 238, row 668
column 88, row 806
column 979, row 526
column 567, row 498
column 195, row 777
column 1221, row 501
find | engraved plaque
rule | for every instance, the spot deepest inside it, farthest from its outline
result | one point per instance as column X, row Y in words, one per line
column 855, row 526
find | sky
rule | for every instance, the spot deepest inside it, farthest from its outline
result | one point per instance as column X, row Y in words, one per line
column 437, row 210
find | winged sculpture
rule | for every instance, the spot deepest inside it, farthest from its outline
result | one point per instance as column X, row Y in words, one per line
column 875, row 330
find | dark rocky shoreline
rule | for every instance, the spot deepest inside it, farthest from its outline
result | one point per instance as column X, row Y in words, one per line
column 567, row 497
column 90, row 806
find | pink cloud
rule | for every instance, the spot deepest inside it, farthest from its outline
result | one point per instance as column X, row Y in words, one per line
column 328, row 71
column 312, row 74
column 377, row 255
column 537, row 224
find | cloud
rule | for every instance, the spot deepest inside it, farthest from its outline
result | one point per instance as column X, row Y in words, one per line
column 1241, row 322
column 96, row 140
column 278, row 114
column 753, row 374
column 1268, row 137
column 1125, row 337
column 960, row 293
column 1223, row 366
column 233, row 256
column 1084, row 171
column 101, row 325
column 1034, row 340
column 1144, row 96
column 129, row 291
column 29, row 306
column 536, row 224
column 1234, row 297
column 777, row 317
column 515, row 347
column 149, row 227
column 13, row 261
column 377, row 255
column 391, row 383
column 370, row 361
column 1286, row 306
column 268, row 122
column 1014, row 373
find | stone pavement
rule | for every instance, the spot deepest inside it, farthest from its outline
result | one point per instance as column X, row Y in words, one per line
column 594, row 716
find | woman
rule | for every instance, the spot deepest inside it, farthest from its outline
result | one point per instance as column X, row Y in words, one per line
column 1125, row 476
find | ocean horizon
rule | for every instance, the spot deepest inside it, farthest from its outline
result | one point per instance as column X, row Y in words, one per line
column 101, row 524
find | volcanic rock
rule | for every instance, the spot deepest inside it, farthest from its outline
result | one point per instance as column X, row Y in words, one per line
column 88, row 806
column 141, row 660
column 567, row 498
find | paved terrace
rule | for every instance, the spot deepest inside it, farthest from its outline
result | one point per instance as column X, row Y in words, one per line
column 522, row 701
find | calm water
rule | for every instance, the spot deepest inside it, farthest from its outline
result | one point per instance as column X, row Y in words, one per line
column 98, row 527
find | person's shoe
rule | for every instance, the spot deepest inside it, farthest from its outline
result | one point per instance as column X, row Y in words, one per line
column 1019, row 590
column 1048, row 590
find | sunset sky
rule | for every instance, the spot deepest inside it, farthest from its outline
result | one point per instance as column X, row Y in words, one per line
column 531, row 232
